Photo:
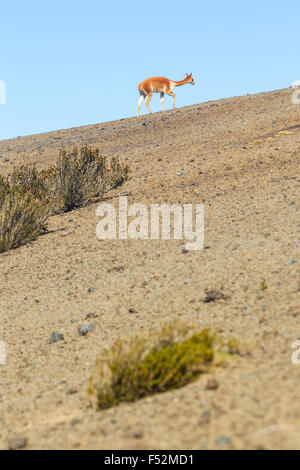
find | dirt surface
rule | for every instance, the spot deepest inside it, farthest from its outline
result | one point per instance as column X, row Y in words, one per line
column 248, row 177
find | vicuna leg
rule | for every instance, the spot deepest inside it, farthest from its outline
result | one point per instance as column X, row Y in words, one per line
column 139, row 104
column 148, row 101
column 172, row 94
column 162, row 101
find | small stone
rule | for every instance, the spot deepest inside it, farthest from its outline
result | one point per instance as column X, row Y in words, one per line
column 184, row 251
column 205, row 418
column 85, row 329
column 55, row 337
column 17, row 442
column 212, row 384
column 73, row 320
column 90, row 315
column 223, row 441
column 213, row 295
column 132, row 310
column 290, row 261
column 75, row 421
column 91, row 289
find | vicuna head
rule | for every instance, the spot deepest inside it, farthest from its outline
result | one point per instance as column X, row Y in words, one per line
column 190, row 79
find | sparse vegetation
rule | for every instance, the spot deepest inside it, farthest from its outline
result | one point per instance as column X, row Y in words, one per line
column 263, row 284
column 4, row 188
column 29, row 196
column 145, row 365
column 82, row 176
column 78, row 178
column 22, row 219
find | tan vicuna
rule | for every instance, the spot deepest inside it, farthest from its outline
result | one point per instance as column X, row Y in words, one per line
column 160, row 85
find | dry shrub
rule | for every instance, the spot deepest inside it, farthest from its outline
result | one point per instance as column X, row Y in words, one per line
column 83, row 176
column 79, row 177
column 29, row 196
column 4, row 188
column 22, row 219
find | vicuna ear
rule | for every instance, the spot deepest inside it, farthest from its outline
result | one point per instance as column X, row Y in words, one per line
column 187, row 74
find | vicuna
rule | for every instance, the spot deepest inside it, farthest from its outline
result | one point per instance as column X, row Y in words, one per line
column 160, row 85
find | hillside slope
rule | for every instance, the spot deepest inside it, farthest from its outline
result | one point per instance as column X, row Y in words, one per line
column 246, row 173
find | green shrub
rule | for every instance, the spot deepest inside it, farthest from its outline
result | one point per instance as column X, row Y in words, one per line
column 151, row 364
column 22, row 219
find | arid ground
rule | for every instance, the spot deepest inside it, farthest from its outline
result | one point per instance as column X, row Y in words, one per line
column 241, row 158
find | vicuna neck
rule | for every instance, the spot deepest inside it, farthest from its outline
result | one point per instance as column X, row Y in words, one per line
column 181, row 82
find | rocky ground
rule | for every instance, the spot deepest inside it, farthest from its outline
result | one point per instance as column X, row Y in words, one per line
column 241, row 158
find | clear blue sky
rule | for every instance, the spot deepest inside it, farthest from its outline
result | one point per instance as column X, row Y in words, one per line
column 68, row 63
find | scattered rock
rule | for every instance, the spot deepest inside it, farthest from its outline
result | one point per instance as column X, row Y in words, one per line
column 212, row 384
column 205, row 418
column 213, row 295
column 132, row 310
column 91, row 315
column 118, row 269
column 55, row 337
column 138, row 434
column 290, row 261
column 223, row 441
column 17, row 442
column 91, row 289
column 85, row 329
